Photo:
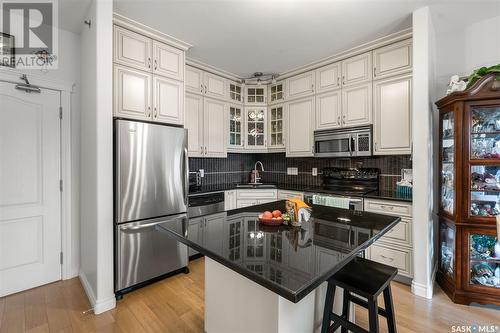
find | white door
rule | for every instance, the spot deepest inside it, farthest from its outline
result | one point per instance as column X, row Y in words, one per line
column 132, row 49
column 299, row 127
column 357, row 69
column 168, row 61
column 328, row 110
column 132, row 93
column 194, row 124
column 194, row 80
column 392, row 116
column 214, row 128
column 357, row 105
column 30, row 200
column 215, row 86
column 328, row 77
column 300, row 85
column 168, row 101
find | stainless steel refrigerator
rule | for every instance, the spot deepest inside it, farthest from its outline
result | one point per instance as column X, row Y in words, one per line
column 151, row 189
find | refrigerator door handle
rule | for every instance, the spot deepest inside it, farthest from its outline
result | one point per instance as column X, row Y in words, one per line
column 186, row 176
column 152, row 224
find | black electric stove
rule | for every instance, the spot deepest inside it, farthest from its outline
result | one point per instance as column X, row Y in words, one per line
column 350, row 181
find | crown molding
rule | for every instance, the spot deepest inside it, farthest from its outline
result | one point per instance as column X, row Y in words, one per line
column 143, row 29
column 212, row 69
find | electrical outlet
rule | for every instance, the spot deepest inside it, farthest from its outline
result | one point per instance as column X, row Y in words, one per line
column 314, row 172
column 292, row 171
column 202, row 173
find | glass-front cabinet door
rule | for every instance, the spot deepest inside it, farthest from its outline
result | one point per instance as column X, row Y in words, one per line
column 276, row 126
column 448, row 162
column 256, row 94
column 235, row 126
column 235, row 92
column 484, row 259
column 484, row 157
column 447, row 248
column 276, row 93
column 255, row 128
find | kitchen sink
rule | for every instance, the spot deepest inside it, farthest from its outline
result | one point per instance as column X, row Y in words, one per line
column 252, row 185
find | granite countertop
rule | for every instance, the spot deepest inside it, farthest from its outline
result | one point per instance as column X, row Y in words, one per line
column 290, row 261
column 381, row 194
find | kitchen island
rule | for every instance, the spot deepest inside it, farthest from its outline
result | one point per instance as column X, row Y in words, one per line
column 272, row 279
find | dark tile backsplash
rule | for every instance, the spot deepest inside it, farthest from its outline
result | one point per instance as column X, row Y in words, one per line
column 236, row 167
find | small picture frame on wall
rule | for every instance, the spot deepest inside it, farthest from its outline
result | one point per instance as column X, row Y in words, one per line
column 7, row 51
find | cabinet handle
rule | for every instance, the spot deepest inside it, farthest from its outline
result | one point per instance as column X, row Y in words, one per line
column 312, row 87
column 374, row 71
column 338, row 120
column 149, row 62
column 338, row 80
column 205, row 89
column 386, row 258
column 387, row 207
column 201, row 150
column 156, row 64
column 201, row 89
column 343, row 80
column 343, row 119
column 312, row 149
column 148, row 114
column 375, row 144
column 205, row 150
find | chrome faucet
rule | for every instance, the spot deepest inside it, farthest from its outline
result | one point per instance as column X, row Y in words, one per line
column 255, row 172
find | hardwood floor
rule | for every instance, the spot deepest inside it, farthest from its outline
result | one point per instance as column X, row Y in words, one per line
column 176, row 305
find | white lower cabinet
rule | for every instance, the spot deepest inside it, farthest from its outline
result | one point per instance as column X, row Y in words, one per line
column 392, row 115
column 299, row 119
column 395, row 248
column 230, row 200
column 246, row 198
column 285, row 194
column 206, row 124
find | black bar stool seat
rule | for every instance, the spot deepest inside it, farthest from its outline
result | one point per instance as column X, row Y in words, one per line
column 365, row 278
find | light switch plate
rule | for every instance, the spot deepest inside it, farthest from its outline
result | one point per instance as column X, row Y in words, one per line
column 292, row 171
column 202, row 173
column 314, row 171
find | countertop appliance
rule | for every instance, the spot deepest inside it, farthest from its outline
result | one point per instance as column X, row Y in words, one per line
column 343, row 142
column 347, row 186
column 205, row 203
column 151, row 190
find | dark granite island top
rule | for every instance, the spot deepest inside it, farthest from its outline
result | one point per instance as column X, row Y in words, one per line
column 290, row 261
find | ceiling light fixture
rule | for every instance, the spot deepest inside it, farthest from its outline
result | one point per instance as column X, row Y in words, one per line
column 260, row 78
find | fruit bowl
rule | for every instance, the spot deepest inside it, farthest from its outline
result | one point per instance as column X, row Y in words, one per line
column 270, row 221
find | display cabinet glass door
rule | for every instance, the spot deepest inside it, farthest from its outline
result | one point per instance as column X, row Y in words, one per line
column 448, row 162
column 256, row 95
column 235, row 121
column 485, row 133
column 235, row 92
column 277, row 92
column 447, row 248
column 276, row 130
column 255, row 129
column 484, row 259
column 485, row 191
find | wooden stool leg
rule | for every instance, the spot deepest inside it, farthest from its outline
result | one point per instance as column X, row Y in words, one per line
column 330, row 294
column 373, row 314
column 389, row 308
column 345, row 309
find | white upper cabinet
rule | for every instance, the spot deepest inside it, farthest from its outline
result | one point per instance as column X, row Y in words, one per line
column 357, row 69
column 194, row 124
column 235, row 92
column 329, row 109
column 276, row 92
column 214, row 127
column 168, row 100
column 328, row 77
column 235, row 126
column 276, row 119
column 357, row 105
column 132, row 93
column 132, row 49
column 392, row 115
column 215, row 86
column 168, row 61
column 194, row 80
column 300, row 85
column 299, row 127
column 392, row 59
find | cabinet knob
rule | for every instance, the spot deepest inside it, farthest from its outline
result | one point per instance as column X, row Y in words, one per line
column 149, row 62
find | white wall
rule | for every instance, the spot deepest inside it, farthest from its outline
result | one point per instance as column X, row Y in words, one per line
column 96, row 207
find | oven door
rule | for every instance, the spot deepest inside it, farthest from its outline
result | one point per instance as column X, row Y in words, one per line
column 333, row 145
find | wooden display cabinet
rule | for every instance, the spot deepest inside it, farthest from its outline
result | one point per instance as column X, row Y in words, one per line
column 469, row 193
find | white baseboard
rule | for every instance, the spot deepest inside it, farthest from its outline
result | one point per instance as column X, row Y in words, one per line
column 421, row 289
column 99, row 306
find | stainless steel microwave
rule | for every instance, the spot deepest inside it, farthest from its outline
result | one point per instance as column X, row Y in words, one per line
column 345, row 142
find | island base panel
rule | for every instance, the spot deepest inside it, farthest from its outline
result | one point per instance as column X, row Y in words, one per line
column 234, row 303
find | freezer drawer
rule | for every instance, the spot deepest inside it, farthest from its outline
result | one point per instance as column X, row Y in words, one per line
column 145, row 251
